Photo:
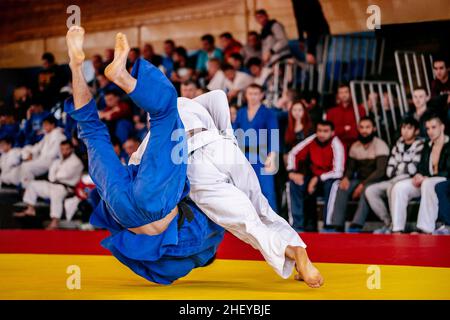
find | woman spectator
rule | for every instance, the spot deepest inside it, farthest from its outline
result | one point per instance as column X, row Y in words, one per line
column 299, row 125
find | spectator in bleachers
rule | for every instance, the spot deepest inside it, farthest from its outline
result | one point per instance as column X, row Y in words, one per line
column 109, row 57
column 434, row 167
column 366, row 164
column 443, row 195
column 402, row 164
column 258, row 71
column 233, row 114
column 50, row 80
column 189, row 89
column 315, row 111
column 97, row 63
column 299, row 125
column 9, row 162
column 440, row 89
column 215, row 78
column 116, row 115
column 310, row 22
column 133, row 55
column 21, row 101
column 237, row 61
column 262, row 155
column 148, row 53
column 236, row 81
column 32, row 130
column 103, row 85
column 275, row 44
column 167, row 60
column 207, row 52
column 314, row 167
column 63, row 175
column 229, row 45
column 9, row 127
column 129, row 147
column 252, row 49
column 183, row 67
column 37, row 158
column 344, row 118
column 420, row 99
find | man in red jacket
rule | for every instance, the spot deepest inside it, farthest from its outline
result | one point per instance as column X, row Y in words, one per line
column 344, row 118
column 315, row 165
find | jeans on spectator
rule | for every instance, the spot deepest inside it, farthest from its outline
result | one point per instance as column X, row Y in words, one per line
column 303, row 206
column 376, row 196
column 341, row 203
column 443, row 194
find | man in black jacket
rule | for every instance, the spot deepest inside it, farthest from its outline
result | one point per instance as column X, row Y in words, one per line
column 433, row 168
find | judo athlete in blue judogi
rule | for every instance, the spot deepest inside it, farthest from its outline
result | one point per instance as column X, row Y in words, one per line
column 155, row 229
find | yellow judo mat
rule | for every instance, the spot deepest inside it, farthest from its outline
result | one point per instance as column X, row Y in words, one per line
column 42, row 276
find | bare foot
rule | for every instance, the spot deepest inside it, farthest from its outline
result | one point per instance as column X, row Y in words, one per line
column 306, row 270
column 116, row 70
column 74, row 40
column 28, row 212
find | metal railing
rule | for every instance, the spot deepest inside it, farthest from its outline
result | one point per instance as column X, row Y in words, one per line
column 417, row 68
column 383, row 101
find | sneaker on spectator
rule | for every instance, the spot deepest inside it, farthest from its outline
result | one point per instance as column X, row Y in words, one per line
column 442, row 230
column 328, row 230
column 354, row 229
column 383, row 230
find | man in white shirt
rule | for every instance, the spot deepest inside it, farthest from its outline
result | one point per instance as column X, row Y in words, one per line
column 63, row 175
column 9, row 163
column 236, row 81
column 38, row 157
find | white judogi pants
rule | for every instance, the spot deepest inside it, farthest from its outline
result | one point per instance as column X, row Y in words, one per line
column 31, row 169
column 226, row 188
column 403, row 191
column 46, row 190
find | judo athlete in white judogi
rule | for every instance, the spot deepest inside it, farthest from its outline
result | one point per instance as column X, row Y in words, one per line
column 226, row 188
column 63, row 175
column 10, row 161
column 38, row 157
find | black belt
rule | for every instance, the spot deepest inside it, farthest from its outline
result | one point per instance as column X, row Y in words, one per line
column 184, row 211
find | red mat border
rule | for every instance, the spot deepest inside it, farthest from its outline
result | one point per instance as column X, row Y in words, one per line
column 413, row 250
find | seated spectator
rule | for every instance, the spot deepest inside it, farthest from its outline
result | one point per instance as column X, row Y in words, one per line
column 229, row 45
column 50, row 80
column 402, row 164
column 97, row 63
column 433, row 168
column 38, row 158
column 380, row 110
column 314, row 167
column 344, row 118
column 310, row 99
column 299, row 125
column 207, row 52
column 275, row 44
column 63, row 175
column 32, row 132
column 237, row 62
column 116, row 115
column 258, row 149
column 109, row 57
column 440, row 88
column 167, row 60
column 252, row 49
column 133, row 55
column 129, row 147
column 9, row 127
column 183, row 68
column 189, row 89
column 236, row 81
column 420, row 99
column 148, row 53
column 215, row 77
column 9, row 162
column 103, row 85
column 443, row 195
column 21, row 101
column 233, row 114
column 366, row 164
column 260, row 73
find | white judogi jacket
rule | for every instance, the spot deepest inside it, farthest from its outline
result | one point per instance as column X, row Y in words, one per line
column 47, row 149
column 66, row 171
column 9, row 166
